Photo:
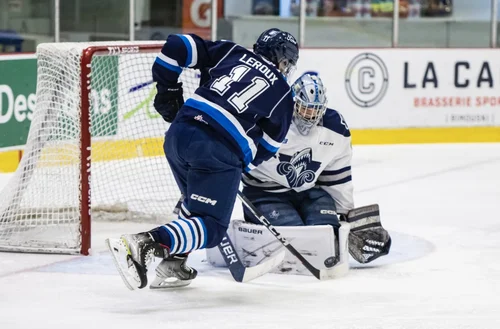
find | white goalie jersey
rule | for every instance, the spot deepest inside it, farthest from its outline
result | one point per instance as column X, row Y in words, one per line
column 320, row 159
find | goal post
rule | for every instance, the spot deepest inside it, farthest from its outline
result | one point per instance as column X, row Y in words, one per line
column 94, row 150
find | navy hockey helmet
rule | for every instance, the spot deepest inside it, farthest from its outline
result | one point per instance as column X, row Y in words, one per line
column 280, row 48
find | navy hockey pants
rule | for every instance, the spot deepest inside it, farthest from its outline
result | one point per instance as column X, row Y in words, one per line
column 208, row 174
column 311, row 207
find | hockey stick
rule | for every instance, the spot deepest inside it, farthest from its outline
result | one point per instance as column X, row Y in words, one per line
column 320, row 274
column 239, row 271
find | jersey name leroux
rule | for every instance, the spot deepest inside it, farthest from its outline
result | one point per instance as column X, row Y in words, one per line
column 253, row 63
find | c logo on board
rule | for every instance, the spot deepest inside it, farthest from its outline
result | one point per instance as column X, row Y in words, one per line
column 366, row 80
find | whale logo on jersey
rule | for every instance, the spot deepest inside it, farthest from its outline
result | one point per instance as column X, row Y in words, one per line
column 298, row 168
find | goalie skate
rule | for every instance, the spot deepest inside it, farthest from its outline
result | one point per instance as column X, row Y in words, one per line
column 173, row 272
column 132, row 254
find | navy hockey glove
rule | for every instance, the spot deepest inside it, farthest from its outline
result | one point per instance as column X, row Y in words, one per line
column 169, row 100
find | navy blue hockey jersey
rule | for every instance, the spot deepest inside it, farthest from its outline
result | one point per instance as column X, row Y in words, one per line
column 241, row 94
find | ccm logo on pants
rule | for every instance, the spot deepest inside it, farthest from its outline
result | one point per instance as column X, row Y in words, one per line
column 203, row 199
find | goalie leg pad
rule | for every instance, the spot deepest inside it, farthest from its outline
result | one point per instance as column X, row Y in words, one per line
column 255, row 245
column 368, row 240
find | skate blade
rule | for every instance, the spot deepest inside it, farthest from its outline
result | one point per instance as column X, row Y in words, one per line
column 129, row 274
column 168, row 283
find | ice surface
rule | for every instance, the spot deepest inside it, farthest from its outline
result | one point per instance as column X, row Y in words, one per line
column 440, row 203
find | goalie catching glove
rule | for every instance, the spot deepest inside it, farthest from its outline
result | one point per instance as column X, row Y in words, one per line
column 169, row 100
column 368, row 240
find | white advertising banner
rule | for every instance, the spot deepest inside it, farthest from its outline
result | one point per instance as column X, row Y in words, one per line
column 400, row 88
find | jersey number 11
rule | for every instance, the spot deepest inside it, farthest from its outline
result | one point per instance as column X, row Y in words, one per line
column 240, row 100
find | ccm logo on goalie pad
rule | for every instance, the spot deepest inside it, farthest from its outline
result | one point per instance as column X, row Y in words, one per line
column 327, row 212
column 203, row 199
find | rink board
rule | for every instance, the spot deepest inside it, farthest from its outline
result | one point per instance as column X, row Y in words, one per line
column 387, row 96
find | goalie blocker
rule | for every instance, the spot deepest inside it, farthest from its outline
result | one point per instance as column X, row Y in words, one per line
column 361, row 235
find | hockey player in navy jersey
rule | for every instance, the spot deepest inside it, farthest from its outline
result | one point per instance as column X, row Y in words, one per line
column 237, row 118
column 310, row 181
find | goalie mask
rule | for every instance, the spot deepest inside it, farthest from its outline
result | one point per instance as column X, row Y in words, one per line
column 310, row 102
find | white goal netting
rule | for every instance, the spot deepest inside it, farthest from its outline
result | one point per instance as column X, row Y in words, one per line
column 41, row 206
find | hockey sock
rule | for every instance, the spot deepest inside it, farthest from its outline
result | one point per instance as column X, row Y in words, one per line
column 182, row 235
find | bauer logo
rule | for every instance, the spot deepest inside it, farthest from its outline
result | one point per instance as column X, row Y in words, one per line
column 366, row 80
column 249, row 230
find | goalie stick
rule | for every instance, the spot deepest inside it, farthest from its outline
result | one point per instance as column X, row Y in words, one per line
column 239, row 271
column 320, row 274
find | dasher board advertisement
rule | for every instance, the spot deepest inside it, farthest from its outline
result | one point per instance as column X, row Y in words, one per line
column 401, row 88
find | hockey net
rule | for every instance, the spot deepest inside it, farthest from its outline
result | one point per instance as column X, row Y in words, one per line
column 94, row 150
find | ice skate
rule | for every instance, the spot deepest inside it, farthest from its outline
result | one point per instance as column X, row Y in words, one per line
column 132, row 254
column 173, row 272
